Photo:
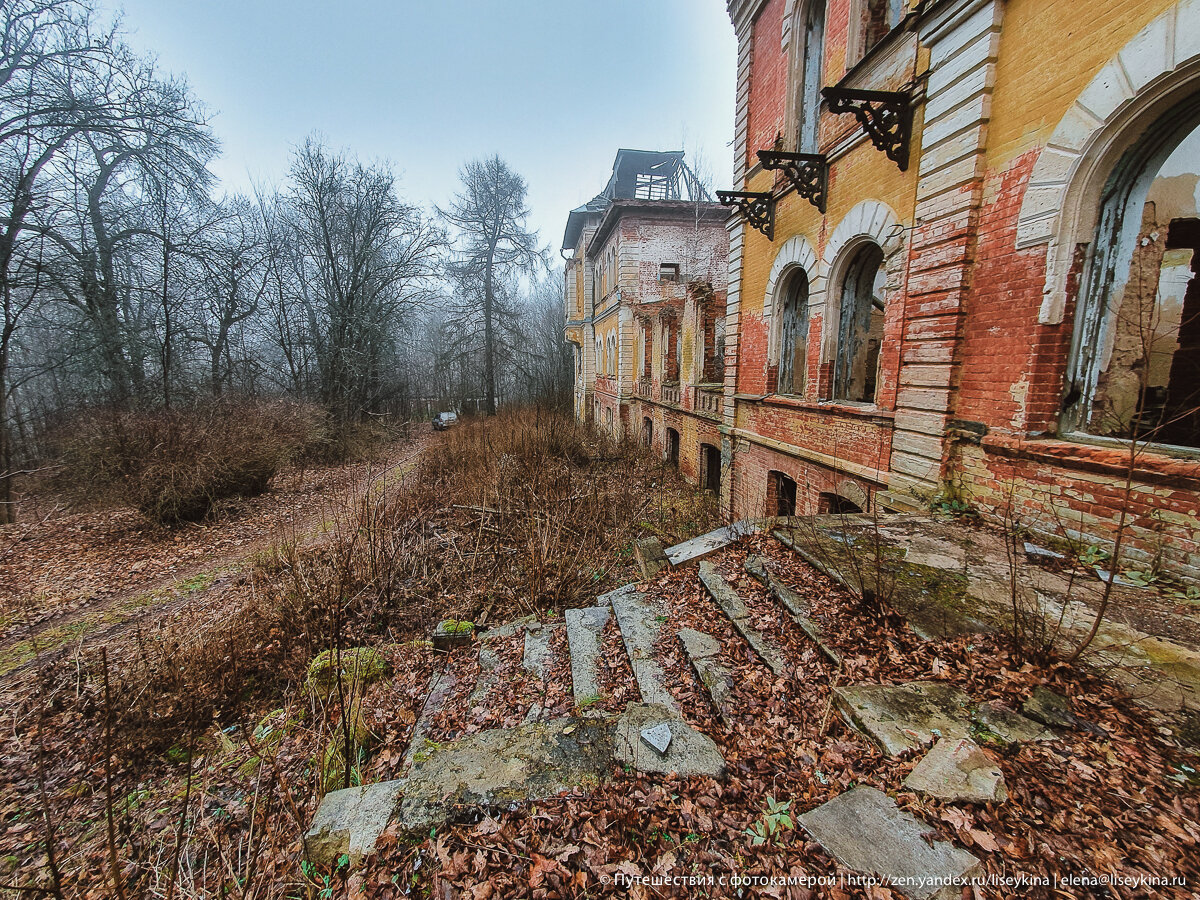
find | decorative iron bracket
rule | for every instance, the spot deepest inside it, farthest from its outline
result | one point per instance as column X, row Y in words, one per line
column 886, row 117
column 808, row 172
column 757, row 207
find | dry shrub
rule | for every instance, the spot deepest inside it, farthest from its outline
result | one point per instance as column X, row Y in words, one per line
column 175, row 464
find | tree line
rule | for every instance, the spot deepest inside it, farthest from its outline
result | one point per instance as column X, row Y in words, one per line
column 130, row 280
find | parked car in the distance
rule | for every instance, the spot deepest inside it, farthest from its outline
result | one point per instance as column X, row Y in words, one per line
column 444, row 420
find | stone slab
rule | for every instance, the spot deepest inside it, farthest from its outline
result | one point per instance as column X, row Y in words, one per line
column 703, row 545
column 732, row 605
column 537, row 655
column 650, row 556
column 703, row 651
column 350, row 821
column 584, row 630
column 502, row 766
column 795, row 605
column 641, row 621
column 910, row 716
column 691, row 752
column 958, row 771
column 864, row 830
column 489, row 662
column 1050, row 708
column 439, row 688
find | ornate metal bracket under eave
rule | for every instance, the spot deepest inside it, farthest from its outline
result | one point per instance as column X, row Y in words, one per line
column 758, row 208
column 886, row 117
column 808, row 172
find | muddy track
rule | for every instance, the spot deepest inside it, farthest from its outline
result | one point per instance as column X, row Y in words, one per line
column 139, row 603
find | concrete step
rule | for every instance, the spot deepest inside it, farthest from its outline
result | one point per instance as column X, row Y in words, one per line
column 865, row 831
column 703, row 545
column 584, row 630
column 641, row 620
column 731, row 604
column 441, row 685
column 538, row 655
column 704, row 653
column 795, row 605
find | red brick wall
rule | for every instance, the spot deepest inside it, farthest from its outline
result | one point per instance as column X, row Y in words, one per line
column 861, row 439
column 768, row 80
column 1012, row 381
column 1012, row 367
column 750, row 487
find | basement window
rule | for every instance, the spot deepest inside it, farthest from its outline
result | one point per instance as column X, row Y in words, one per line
column 836, row 505
column 781, row 494
column 1135, row 364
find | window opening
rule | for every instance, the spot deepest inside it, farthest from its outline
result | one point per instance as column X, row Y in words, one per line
column 811, row 77
column 860, row 327
column 781, row 494
column 710, row 468
column 793, row 335
column 1135, row 367
column 836, row 505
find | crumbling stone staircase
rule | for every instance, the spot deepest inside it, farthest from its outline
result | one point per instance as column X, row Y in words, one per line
column 544, row 756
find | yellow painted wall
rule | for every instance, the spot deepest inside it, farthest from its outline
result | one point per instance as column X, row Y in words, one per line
column 1049, row 51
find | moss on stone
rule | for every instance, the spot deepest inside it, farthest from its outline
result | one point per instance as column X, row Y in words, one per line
column 359, row 666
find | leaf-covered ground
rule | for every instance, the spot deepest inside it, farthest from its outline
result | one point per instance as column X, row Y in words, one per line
column 216, row 809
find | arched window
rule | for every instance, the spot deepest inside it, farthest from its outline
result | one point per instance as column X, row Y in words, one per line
column 647, row 432
column 673, row 447
column 1135, row 359
column 860, row 326
column 793, row 335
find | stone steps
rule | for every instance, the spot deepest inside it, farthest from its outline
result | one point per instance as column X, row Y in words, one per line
column 584, row 630
column 796, row 607
column 735, row 609
column 640, row 619
column 703, row 652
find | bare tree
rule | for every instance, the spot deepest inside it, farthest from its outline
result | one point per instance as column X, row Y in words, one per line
column 494, row 247
column 365, row 261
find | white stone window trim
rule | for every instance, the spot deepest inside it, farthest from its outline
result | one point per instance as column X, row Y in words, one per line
column 1157, row 69
column 871, row 221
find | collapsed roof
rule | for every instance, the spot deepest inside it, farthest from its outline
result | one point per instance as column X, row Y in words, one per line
column 639, row 175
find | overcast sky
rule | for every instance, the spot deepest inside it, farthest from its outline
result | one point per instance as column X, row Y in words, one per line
column 554, row 87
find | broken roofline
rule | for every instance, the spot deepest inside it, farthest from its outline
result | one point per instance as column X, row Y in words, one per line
column 703, row 212
column 668, row 166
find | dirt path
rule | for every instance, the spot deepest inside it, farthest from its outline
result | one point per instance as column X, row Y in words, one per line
column 90, row 576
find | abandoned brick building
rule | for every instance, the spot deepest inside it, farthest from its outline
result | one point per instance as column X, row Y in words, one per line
column 961, row 266
column 962, row 263
column 644, row 291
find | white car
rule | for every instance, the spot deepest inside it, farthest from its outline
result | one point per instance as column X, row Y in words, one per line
column 444, row 420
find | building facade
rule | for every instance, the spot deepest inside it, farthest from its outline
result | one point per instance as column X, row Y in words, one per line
column 645, row 297
column 962, row 264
